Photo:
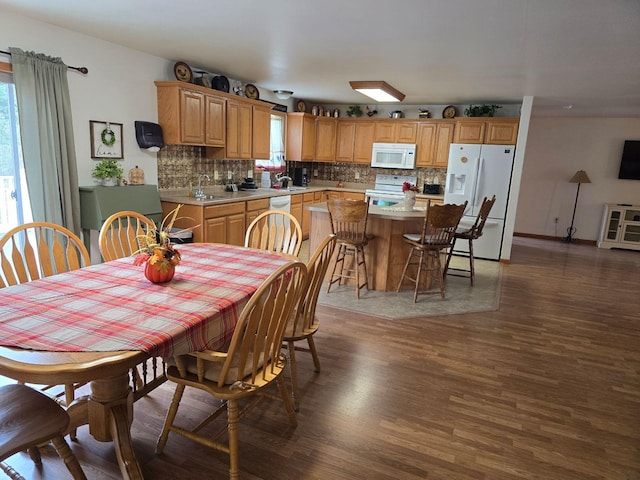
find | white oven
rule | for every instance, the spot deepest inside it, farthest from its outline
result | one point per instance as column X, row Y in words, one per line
column 393, row 155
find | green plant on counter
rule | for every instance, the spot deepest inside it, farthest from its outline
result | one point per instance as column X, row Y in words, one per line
column 107, row 169
column 481, row 110
column 354, row 111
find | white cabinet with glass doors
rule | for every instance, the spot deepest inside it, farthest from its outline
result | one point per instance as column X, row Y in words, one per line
column 620, row 227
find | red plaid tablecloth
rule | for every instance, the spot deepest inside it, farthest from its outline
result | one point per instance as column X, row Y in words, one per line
column 112, row 306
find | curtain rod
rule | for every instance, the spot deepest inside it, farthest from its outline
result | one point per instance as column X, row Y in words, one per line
column 84, row 70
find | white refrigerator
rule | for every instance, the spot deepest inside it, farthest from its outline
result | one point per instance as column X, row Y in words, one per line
column 474, row 172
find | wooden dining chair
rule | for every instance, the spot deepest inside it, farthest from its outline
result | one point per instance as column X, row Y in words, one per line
column 37, row 250
column 469, row 234
column 440, row 223
column 252, row 362
column 275, row 231
column 303, row 323
column 29, row 418
column 349, row 224
column 123, row 234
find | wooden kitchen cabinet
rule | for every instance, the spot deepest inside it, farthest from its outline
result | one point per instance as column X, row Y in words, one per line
column 261, row 144
column 255, row 208
column 496, row 131
column 239, row 130
column 434, row 138
column 296, row 208
column 395, row 131
column 301, row 137
column 218, row 223
column 363, row 145
column 325, row 143
column 345, row 142
column 189, row 116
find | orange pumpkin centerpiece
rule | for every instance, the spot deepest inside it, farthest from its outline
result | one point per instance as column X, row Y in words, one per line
column 157, row 253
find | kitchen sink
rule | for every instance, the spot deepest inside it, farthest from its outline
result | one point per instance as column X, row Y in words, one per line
column 293, row 189
column 205, row 197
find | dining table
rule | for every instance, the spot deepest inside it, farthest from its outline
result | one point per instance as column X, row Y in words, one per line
column 96, row 323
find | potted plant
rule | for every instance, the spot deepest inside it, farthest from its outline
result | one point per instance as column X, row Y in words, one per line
column 481, row 110
column 354, row 111
column 109, row 172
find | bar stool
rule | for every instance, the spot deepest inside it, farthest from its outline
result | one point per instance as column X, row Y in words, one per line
column 349, row 224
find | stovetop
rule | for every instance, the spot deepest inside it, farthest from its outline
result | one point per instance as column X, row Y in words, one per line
column 390, row 183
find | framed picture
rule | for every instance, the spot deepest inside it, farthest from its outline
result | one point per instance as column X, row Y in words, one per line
column 106, row 139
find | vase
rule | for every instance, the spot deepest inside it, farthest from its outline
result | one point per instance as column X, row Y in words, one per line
column 159, row 272
column 110, row 182
column 409, row 200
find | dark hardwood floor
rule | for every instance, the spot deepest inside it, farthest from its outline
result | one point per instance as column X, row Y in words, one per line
column 548, row 387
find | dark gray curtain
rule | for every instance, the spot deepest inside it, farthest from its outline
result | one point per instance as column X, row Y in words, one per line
column 46, row 131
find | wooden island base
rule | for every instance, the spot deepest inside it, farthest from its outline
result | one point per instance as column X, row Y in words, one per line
column 387, row 253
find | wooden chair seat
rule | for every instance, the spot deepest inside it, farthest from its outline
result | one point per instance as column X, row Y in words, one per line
column 29, row 418
column 440, row 224
column 252, row 362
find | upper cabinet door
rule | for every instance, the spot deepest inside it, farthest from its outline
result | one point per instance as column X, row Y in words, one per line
column 469, row 131
column 502, row 132
column 261, row 132
column 346, row 140
column 215, row 121
column 365, row 133
column 326, row 139
column 192, row 117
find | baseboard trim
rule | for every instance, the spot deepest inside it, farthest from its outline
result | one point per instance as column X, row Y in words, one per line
column 551, row 237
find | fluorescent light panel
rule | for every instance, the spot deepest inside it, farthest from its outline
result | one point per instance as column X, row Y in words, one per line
column 379, row 90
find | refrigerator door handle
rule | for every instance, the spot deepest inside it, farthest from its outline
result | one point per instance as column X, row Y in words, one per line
column 476, row 184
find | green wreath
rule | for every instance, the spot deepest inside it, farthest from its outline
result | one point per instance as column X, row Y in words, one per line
column 108, row 137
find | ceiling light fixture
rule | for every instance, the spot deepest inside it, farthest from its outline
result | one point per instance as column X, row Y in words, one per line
column 283, row 94
column 378, row 90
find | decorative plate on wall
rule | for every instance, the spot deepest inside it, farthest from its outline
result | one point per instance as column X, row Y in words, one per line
column 301, row 106
column 183, row 72
column 449, row 112
column 251, row 91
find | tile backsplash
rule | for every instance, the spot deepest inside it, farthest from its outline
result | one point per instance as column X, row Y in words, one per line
column 179, row 167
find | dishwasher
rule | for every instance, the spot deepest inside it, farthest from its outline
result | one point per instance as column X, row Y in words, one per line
column 281, row 202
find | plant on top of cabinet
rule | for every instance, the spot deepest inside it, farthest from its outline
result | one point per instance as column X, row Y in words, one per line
column 481, row 110
column 354, row 111
column 108, row 171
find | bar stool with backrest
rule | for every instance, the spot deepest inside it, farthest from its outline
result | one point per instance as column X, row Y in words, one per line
column 440, row 223
column 469, row 234
column 349, row 223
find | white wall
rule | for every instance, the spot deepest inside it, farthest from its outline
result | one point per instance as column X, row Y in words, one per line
column 556, row 149
column 118, row 88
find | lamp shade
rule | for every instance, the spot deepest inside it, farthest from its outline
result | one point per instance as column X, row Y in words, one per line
column 580, row 177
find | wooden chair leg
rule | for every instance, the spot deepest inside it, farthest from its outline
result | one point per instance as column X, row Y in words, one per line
column 449, row 255
column 70, row 460
column 34, row 453
column 232, row 429
column 404, row 271
column 11, row 472
column 286, row 399
column 420, row 263
column 314, row 353
column 171, row 415
column 69, row 396
column 339, row 259
column 293, row 368
column 364, row 267
column 440, row 273
column 472, row 273
column 356, row 262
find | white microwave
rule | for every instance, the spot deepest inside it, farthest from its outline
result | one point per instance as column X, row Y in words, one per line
column 393, row 155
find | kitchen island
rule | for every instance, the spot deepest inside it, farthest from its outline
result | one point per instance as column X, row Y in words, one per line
column 387, row 253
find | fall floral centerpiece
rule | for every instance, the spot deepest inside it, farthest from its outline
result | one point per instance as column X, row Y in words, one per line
column 410, row 191
column 157, row 253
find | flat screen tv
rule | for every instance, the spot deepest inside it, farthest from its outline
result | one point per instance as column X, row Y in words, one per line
column 630, row 163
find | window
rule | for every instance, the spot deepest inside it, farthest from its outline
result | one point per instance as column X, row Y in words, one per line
column 14, row 199
column 276, row 159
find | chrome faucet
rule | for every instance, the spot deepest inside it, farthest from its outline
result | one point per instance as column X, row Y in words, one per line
column 283, row 179
column 199, row 193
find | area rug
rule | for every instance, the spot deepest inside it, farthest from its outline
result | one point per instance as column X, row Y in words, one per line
column 461, row 297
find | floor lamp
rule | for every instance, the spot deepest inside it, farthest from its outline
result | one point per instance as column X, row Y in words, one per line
column 580, row 177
